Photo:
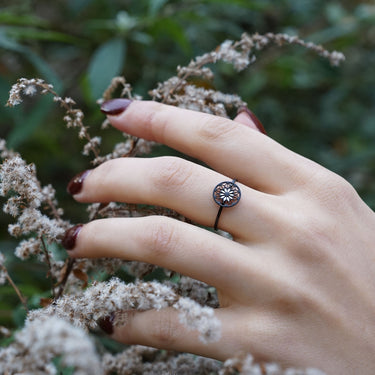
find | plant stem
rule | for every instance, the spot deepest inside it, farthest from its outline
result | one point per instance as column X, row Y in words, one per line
column 18, row 292
column 46, row 253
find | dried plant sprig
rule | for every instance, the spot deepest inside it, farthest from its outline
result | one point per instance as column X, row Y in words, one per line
column 245, row 365
column 131, row 147
column 116, row 83
column 30, row 204
column 179, row 91
column 132, row 362
column 44, row 339
column 99, row 300
column 19, row 182
column 73, row 116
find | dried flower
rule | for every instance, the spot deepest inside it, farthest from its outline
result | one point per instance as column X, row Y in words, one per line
column 42, row 340
column 97, row 301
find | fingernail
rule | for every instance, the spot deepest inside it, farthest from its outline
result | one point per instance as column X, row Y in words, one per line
column 70, row 237
column 115, row 106
column 255, row 120
column 106, row 324
column 75, row 184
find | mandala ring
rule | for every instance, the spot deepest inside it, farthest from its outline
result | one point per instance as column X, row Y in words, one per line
column 226, row 194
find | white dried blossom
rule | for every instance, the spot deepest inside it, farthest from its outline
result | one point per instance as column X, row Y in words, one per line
column 201, row 318
column 33, row 221
column 30, row 90
column 93, row 143
column 131, row 362
column 26, row 87
column 17, row 176
column 5, row 332
column 26, row 248
column 42, row 340
column 209, row 101
column 245, row 365
column 103, row 298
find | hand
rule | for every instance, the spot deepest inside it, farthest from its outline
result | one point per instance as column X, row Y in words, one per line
column 297, row 283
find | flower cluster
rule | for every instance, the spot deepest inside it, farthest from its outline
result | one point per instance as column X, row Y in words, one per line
column 85, row 309
column 45, row 339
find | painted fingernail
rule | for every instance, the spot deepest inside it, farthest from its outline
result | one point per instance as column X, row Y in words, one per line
column 76, row 183
column 106, row 324
column 255, row 119
column 115, row 106
column 70, row 237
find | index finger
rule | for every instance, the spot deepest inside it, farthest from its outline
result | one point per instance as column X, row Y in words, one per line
column 229, row 147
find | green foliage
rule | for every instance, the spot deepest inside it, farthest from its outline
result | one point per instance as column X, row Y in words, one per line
column 324, row 113
column 105, row 64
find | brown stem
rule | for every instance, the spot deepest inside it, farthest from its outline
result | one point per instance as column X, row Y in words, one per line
column 18, row 292
column 68, row 270
column 46, row 253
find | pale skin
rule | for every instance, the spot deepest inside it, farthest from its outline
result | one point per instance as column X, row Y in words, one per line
column 297, row 283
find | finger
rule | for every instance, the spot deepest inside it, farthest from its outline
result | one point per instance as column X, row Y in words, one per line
column 246, row 117
column 219, row 142
column 163, row 330
column 242, row 331
column 182, row 186
column 171, row 244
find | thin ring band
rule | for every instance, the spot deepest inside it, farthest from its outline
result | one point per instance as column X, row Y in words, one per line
column 225, row 194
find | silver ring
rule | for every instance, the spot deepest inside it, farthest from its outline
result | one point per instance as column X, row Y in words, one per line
column 226, row 194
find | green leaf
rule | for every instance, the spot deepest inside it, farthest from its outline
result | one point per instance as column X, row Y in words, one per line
column 31, row 33
column 19, row 19
column 27, row 123
column 106, row 63
column 155, row 6
column 43, row 68
column 173, row 30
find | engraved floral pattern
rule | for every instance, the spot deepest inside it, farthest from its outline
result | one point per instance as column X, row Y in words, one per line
column 227, row 194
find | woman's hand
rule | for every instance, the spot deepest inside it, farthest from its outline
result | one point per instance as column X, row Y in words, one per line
column 297, row 283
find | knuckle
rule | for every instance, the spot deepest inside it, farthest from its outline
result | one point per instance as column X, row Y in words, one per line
column 217, row 129
column 171, row 172
column 339, row 190
column 161, row 238
column 166, row 330
column 333, row 191
column 311, row 236
column 105, row 172
column 155, row 121
column 295, row 301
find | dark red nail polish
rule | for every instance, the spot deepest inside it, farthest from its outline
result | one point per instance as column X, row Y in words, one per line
column 70, row 237
column 115, row 106
column 255, row 120
column 106, row 324
column 75, row 184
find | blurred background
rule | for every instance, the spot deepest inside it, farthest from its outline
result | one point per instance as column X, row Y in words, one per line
column 325, row 113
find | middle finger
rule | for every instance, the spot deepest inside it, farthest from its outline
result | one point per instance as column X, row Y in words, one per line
column 182, row 186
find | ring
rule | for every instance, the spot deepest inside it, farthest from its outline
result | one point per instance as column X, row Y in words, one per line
column 226, row 194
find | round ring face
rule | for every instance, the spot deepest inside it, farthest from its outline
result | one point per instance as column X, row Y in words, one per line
column 227, row 194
